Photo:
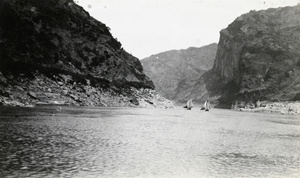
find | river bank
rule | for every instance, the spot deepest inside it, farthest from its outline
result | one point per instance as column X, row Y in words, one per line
column 63, row 90
column 287, row 107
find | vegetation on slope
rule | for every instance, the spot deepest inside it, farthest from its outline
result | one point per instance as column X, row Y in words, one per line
column 58, row 40
column 173, row 72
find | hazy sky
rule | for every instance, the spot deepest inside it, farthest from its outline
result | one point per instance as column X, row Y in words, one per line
column 146, row 27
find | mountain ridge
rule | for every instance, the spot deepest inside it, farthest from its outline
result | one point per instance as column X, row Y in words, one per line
column 173, row 68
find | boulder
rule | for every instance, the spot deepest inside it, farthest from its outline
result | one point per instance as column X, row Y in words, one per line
column 57, row 102
column 148, row 101
column 19, row 88
column 13, row 103
column 258, row 103
column 41, row 103
column 4, row 93
column 32, row 94
column 2, row 79
column 65, row 92
column 75, row 98
column 134, row 101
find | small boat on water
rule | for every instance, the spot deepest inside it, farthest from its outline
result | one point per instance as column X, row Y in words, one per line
column 206, row 106
column 189, row 104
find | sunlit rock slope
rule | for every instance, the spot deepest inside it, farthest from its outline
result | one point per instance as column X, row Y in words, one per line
column 173, row 72
column 258, row 59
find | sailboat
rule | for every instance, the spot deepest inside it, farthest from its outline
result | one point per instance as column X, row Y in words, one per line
column 207, row 106
column 189, row 104
column 204, row 105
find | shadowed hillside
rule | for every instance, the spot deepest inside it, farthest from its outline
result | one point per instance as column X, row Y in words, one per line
column 50, row 47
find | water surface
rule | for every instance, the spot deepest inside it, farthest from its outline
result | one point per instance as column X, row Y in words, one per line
column 131, row 142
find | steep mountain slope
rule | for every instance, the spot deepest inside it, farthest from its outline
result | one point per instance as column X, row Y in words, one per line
column 258, row 58
column 57, row 41
column 172, row 71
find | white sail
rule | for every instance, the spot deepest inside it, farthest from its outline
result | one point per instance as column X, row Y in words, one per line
column 189, row 104
column 207, row 105
column 204, row 105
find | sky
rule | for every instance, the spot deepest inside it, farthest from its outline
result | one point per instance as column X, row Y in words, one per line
column 146, row 27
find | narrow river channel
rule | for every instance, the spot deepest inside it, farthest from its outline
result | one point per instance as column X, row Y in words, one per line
column 131, row 142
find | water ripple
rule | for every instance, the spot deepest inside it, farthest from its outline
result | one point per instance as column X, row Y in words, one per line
column 127, row 142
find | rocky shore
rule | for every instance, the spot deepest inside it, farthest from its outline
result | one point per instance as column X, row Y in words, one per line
column 287, row 107
column 62, row 90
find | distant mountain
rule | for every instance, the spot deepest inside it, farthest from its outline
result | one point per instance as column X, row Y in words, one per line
column 53, row 50
column 173, row 71
column 258, row 59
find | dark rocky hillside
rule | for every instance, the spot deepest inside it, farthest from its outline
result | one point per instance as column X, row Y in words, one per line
column 53, row 50
column 258, row 59
column 174, row 71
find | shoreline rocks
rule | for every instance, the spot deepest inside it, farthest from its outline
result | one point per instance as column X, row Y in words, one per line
column 46, row 91
column 286, row 107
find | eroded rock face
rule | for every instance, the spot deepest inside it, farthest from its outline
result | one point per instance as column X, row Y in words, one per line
column 58, row 36
column 54, row 52
column 174, row 71
column 258, row 57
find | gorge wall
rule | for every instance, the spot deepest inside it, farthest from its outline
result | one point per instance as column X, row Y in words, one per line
column 258, row 59
column 54, row 51
column 173, row 72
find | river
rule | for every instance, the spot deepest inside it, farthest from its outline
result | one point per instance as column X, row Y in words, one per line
column 134, row 142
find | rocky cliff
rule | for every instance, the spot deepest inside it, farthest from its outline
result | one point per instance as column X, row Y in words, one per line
column 258, row 59
column 54, row 51
column 174, row 71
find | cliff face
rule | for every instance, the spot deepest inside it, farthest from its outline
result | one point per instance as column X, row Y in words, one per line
column 59, row 41
column 173, row 71
column 258, row 58
column 59, row 35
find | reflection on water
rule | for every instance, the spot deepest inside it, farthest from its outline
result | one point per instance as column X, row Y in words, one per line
column 128, row 142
